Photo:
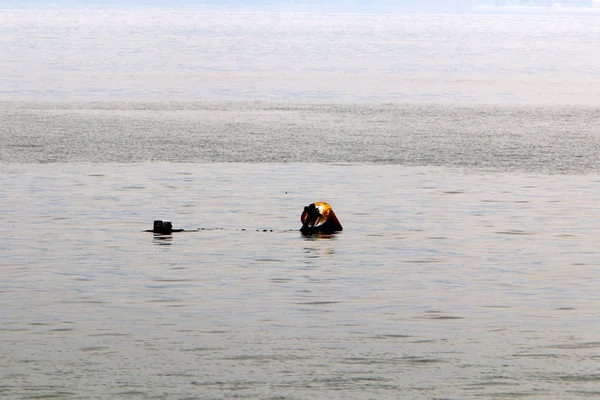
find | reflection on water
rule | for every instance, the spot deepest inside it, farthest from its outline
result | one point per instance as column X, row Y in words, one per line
column 319, row 236
column 159, row 239
column 461, row 284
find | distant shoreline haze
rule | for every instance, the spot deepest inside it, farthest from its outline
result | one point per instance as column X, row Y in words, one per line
column 376, row 5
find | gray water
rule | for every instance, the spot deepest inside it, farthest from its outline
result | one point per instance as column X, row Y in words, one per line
column 442, row 285
column 194, row 53
column 549, row 139
column 468, row 264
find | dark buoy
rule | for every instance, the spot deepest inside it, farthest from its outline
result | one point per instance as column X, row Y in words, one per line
column 162, row 227
column 319, row 217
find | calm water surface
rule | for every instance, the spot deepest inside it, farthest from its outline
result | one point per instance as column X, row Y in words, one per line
column 468, row 264
column 195, row 53
column 444, row 284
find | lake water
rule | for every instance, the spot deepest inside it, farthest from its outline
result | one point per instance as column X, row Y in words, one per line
column 207, row 54
column 468, row 264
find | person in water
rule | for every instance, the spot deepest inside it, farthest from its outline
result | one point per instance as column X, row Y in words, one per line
column 319, row 217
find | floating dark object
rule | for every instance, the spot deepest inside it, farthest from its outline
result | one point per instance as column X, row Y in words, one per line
column 163, row 228
column 319, row 217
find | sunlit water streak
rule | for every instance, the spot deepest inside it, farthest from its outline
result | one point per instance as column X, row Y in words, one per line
column 547, row 139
